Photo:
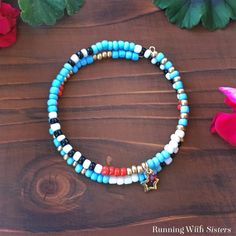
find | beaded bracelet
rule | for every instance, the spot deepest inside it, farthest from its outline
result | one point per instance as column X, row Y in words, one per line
column 146, row 172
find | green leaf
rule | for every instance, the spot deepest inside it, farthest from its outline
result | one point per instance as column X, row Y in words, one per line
column 213, row 14
column 38, row 12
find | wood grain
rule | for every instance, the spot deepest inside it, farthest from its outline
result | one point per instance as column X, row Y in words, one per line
column 118, row 112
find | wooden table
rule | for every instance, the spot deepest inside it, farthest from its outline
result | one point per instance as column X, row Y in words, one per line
column 116, row 112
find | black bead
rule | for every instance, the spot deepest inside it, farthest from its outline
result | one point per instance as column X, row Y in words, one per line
column 158, row 64
column 150, row 57
column 162, row 164
column 81, row 160
column 64, row 142
column 90, row 51
column 72, row 63
column 180, row 143
column 53, row 121
column 71, row 153
column 80, row 54
column 173, row 155
column 92, row 165
column 57, row 133
column 165, row 71
column 142, row 51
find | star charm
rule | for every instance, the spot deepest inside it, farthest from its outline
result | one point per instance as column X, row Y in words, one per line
column 151, row 182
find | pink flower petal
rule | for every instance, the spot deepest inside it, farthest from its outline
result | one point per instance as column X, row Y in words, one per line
column 230, row 94
column 224, row 125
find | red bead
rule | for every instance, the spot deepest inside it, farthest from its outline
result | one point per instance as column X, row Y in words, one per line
column 59, row 93
column 117, row 172
column 179, row 106
column 123, row 171
column 111, row 170
column 61, row 87
column 105, row 170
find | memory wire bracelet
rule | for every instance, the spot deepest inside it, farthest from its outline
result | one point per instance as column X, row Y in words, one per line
column 146, row 172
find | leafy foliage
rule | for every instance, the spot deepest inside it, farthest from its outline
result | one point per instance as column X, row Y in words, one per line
column 213, row 14
column 38, row 12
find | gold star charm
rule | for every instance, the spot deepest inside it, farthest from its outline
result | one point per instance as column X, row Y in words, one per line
column 151, row 181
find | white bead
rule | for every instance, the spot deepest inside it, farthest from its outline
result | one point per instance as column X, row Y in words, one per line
column 67, row 148
column 174, row 144
column 77, row 156
column 120, row 180
column 134, row 177
column 113, row 180
column 168, row 161
column 137, row 48
column 162, row 67
column 84, row 51
column 168, row 76
column 175, row 138
column 86, row 163
column 55, row 126
column 154, row 60
column 128, row 179
column 169, row 148
column 176, row 150
column 98, row 168
column 52, row 114
column 147, row 53
column 180, row 133
column 61, row 137
column 74, row 58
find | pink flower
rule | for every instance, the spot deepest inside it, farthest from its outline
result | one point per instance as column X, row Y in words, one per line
column 224, row 124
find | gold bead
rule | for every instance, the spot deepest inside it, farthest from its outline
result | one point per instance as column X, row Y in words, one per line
column 140, row 169
column 184, row 102
column 144, row 165
column 129, row 171
column 134, row 169
column 184, row 115
column 180, row 91
column 104, row 54
column 180, row 127
column 68, row 76
column 59, row 148
column 109, row 54
column 177, row 78
column 65, row 157
column 71, row 72
column 65, row 79
column 83, row 171
column 99, row 56
column 74, row 163
column 164, row 60
column 171, row 69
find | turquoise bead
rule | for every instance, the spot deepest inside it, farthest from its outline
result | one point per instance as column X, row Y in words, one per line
column 121, row 44
column 160, row 56
column 99, row 178
column 183, row 122
column 56, row 83
column 135, row 56
column 52, row 108
column 68, row 66
column 70, row 161
column 174, row 74
column 53, row 96
column 88, row 173
column 156, row 161
column 115, row 54
column 110, row 45
column 178, row 85
column 89, row 59
column 56, row 142
column 52, row 102
column 151, row 164
column 60, row 77
column 78, row 168
column 126, row 46
column 128, row 55
column 64, row 72
column 50, row 131
column 159, row 168
column 184, row 109
column 95, row 49
column 168, row 65
column 105, row 179
column 78, row 64
column 105, row 44
column 54, row 90
column 131, row 46
column 160, row 157
column 83, row 62
column 75, row 69
column 115, row 45
column 141, row 177
column 62, row 153
column 182, row 96
column 165, row 154
column 121, row 53
column 94, row 176
column 99, row 46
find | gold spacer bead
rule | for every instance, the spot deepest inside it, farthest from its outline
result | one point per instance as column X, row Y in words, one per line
column 177, row 78
column 99, row 56
column 95, row 57
column 180, row 91
column 104, row 54
column 65, row 79
column 140, row 169
column 65, row 157
column 184, row 115
column 180, row 127
column 83, row 171
column 71, row 72
column 134, row 169
column 74, row 163
column 171, row 69
column 164, row 60
column 109, row 54
column 184, row 102
column 144, row 165
column 129, row 171
column 59, row 148
column 68, row 76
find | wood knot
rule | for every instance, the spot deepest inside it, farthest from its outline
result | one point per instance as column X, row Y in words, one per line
column 50, row 185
